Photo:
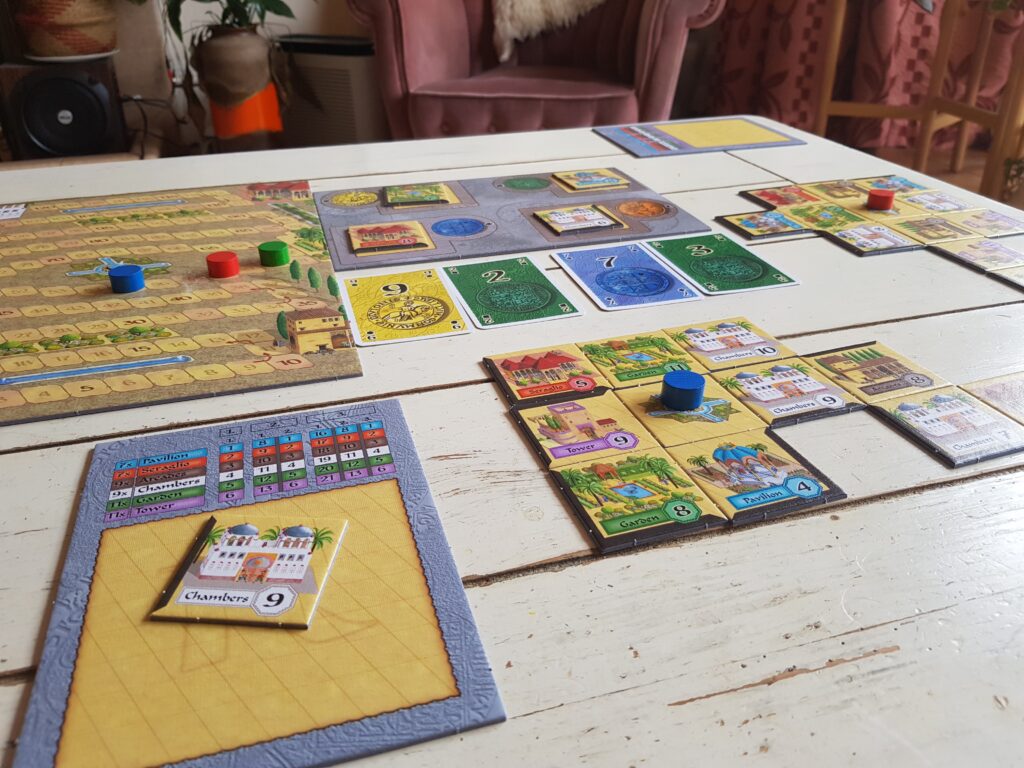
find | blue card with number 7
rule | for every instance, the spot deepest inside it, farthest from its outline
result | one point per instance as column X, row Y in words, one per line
column 624, row 276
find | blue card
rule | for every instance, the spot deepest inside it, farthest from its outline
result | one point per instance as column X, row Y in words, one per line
column 624, row 276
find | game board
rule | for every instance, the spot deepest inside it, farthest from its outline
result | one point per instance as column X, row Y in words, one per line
column 494, row 216
column 243, row 509
column 68, row 345
column 687, row 137
column 635, row 471
column 919, row 217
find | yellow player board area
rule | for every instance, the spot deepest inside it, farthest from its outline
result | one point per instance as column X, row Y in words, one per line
column 718, row 133
column 70, row 345
column 150, row 692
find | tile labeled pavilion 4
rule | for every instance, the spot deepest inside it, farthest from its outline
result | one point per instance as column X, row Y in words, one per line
column 873, row 372
column 533, row 374
column 593, row 428
column 718, row 415
column 716, row 264
column 640, row 497
column 1005, row 393
column 788, row 392
column 982, row 253
column 957, row 427
column 627, row 361
column 755, row 476
column 730, row 342
column 508, row 292
column 246, row 569
column 624, row 276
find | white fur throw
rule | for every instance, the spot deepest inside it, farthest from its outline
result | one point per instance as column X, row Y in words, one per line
column 522, row 19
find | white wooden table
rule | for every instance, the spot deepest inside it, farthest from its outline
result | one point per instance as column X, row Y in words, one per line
column 887, row 628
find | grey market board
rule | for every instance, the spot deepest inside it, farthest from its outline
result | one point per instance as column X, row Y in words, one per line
column 493, row 215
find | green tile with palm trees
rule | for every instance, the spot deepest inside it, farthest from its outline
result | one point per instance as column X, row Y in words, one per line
column 755, row 476
column 640, row 496
column 787, row 392
column 630, row 360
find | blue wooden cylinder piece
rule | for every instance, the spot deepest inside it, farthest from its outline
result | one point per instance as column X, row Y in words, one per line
column 682, row 390
column 127, row 278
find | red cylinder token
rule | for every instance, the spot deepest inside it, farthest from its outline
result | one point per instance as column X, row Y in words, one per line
column 881, row 199
column 222, row 264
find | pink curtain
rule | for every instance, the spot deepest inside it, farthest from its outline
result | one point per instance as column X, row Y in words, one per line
column 771, row 56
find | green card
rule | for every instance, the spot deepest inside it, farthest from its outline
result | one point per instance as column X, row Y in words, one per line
column 508, row 292
column 716, row 264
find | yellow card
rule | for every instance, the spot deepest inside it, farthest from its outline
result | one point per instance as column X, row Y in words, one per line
column 720, row 133
column 401, row 306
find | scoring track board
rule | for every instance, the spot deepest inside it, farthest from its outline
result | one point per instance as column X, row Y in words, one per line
column 392, row 657
column 494, row 216
column 69, row 346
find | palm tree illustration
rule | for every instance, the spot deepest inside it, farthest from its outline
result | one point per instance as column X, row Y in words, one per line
column 744, row 324
column 698, row 461
column 271, row 534
column 214, row 536
column 759, row 447
column 663, row 470
column 730, row 383
column 662, row 344
column 321, row 536
column 804, row 369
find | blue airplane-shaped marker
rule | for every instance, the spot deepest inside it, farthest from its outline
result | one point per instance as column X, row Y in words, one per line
column 107, row 263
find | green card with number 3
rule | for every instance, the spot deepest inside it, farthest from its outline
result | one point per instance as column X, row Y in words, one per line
column 508, row 292
column 716, row 264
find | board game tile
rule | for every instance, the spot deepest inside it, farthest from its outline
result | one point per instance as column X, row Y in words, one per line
column 988, row 223
column 1004, row 393
column 870, row 238
column 388, row 237
column 840, row 191
column 896, row 183
column 932, row 228
column 591, row 428
column 639, row 497
column 786, row 392
column 627, row 361
column 245, row 568
column 755, row 476
column 727, row 343
column 874, row 372
column 761, row 224
column 1013, row 276
column 933, row 201
column 588, row 179
column 780, row 197
column 720, row 414
column 982, row 253
column 954, row 425
column 544, row 372
column 822, row 217
column 418, row 195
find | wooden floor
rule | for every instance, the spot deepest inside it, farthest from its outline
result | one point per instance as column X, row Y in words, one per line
column 883, row 630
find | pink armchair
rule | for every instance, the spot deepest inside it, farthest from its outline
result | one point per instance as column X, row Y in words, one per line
column 440, row 76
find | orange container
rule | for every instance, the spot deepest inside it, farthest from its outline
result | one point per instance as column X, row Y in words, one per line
column 259, row 113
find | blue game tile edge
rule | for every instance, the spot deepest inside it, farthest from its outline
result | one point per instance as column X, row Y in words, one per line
column 478, row 702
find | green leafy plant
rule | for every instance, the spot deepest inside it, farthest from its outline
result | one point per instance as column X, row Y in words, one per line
column 243, row 14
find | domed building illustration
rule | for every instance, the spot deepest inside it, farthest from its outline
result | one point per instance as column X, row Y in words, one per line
column 741, row 468
column 943, row 415
column 241, row 553
column 777, row 383
column 720, row 337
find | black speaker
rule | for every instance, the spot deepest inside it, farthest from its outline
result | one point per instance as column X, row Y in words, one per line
column 57, row 111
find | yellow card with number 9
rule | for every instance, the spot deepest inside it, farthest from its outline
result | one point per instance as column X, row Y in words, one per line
column 401, row 306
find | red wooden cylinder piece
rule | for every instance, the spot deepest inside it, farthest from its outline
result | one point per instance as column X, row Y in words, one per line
column 222, row 264
column 881, row 199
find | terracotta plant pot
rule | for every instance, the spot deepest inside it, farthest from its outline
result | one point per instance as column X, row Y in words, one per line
column 233, row 65
column 52, row 28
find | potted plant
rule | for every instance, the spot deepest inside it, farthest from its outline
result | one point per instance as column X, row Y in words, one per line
column 233, row 62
